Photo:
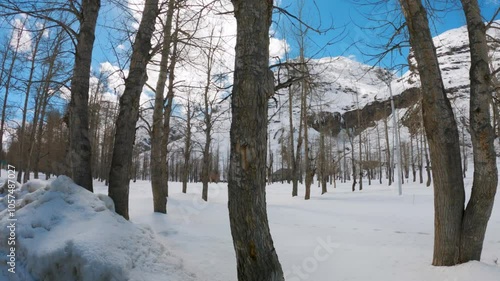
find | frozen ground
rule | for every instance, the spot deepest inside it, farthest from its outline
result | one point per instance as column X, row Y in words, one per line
column 369, row 235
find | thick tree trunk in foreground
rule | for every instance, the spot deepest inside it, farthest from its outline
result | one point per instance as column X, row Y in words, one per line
column 485, row 179
column 80, row 149
column 253, row 84
column 119, row 176
column 442, row 133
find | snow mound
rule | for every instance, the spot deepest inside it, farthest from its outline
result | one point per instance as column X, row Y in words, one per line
column 66, row 233
column 4, row 186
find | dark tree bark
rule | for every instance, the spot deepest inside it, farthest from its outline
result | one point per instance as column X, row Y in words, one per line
column 388, row 152
column 485, row 179
column 442, row 133
column 420, row 146
column 323, row 174
column 186, row 165
column 253, row 85
column 353, row 161
column 295, row 155
column 459, row 235
column 80, row 149
column 427, row 163
column 208, row 118
column 129, row 110
column 169, row 107
column 158, row 164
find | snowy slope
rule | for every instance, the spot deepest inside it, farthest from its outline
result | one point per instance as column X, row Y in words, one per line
column 452, row 48
column 66, row 233
column 342, row 85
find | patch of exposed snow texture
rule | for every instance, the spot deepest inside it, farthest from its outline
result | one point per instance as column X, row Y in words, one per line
column 66, row 233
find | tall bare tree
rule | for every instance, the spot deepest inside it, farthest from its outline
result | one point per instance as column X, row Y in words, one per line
column 29, row 85
column 209, row 112
column 484, row 185
column 459, row 233
column 129, row 110
column 7, row 74
column 188, row 143
column 80, row 150
column 253, row 85
column 158, row 164
column 442, row 135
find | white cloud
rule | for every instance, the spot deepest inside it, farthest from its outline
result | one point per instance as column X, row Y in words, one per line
column 136, row 7
column 115, row 77
column 278, row 47
column 21, row 37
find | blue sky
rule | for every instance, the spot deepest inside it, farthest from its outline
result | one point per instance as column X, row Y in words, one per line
column 355, row 32
column 355, row 21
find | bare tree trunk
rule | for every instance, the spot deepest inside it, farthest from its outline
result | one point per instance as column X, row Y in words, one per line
column 369, row 169
column 323, row 176
column 413, row 168
column 32, row 136
column 43, row 100
column 157, row 161
column 206, row 162
column 442, row 133
column 388, row 152
column 4, row 108
column 379, row 155
column 80, row 150
column 353, row 163
column 187, row 147
column 25, row 108
column 39, row 134
column 309, row 173
column 129, row 110
column 295, row 155
column 464, row 152
column 253, row 85
column 360, row 161
column 344, row 160
column 169, row 107
column 484, row 185
column 427, row 163
column 208, row 120
column 420, row 146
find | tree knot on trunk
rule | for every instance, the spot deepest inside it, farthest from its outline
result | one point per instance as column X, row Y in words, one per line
column 246, row 155
column 252, row 250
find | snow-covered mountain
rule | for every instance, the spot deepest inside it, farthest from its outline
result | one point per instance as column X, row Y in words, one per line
column 343, row 86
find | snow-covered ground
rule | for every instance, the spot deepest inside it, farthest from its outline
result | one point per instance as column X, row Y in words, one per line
column 370, row 235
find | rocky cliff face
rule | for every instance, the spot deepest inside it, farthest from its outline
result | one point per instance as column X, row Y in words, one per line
column 345, row 87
